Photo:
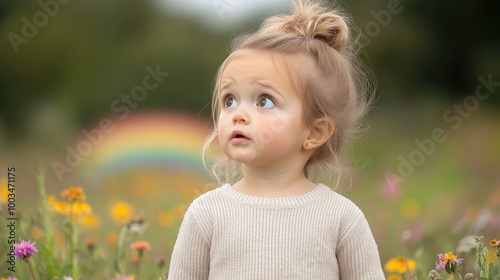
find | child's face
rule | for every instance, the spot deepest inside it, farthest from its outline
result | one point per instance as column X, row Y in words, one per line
column 260, row 121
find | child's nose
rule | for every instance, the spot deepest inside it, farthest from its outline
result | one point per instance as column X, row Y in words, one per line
column 240, row 116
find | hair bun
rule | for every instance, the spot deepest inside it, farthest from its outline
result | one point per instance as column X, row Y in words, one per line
column 311, row 20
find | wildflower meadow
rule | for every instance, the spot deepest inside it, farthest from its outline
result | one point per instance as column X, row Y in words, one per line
column 59, row 251
column 105, row 106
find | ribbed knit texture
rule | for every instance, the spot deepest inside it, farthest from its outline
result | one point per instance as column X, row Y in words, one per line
column 229, row 235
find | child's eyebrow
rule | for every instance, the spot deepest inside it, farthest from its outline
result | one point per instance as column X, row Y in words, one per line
column 226, row 83
column 267, row 84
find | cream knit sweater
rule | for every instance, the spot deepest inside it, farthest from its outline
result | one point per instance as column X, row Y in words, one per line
column 228, row 235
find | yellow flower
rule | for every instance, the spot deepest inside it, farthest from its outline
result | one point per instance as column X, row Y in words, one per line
column 124, row 277
column 492, row 258
column 4, row 190
column 75, row 209
column 398, row 264
column 60, row 207
column 410, row 209
column 74, row 194
column 80, row 208
column 394, row 277
column 121, row 212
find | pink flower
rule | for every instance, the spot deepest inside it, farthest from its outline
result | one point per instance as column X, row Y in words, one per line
column 25, row 249
column 391, row 187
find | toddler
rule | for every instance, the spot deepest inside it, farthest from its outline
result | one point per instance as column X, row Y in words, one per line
column 287, row 102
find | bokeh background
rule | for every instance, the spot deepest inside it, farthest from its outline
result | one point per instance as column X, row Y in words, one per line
column 114, row 96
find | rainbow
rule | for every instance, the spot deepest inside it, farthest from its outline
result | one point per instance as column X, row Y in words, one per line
column 169, row 140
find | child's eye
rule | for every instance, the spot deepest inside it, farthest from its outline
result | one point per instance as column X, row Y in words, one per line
column 266, row 102
column 230, row 102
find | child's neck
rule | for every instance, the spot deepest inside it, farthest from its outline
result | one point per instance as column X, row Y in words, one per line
column 276, row 183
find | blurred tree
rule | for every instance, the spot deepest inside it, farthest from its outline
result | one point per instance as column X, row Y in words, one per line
column 91, row 53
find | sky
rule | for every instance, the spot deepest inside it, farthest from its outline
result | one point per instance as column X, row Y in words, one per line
column 222, row 14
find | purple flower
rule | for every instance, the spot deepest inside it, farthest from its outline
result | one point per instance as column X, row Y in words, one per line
column 449, row 262
column 25, row 249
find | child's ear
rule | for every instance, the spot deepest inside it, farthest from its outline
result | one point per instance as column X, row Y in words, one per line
column 321, row 130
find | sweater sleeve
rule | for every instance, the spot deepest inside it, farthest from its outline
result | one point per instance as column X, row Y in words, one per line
column 357, row 253
column 191, row 253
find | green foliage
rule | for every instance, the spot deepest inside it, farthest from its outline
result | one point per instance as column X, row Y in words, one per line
column 484, row 270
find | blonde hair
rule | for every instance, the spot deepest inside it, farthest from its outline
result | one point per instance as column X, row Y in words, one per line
column 330, row 79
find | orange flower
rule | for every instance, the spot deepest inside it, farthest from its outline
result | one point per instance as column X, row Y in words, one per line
column 394, row 277
column 111, row 238
column 36, row 232
column 74, row 194
column 90, row 243
column 140, row 246
column 495, row 243
column 166, row 218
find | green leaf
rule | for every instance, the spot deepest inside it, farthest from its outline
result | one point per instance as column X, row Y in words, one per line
column 485, row 253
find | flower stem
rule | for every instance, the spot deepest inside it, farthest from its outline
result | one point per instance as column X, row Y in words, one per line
column 74, row 262
column 138, row 268
column 73, row 242
column 48, row 236
column 119, row 248
column 31, row 270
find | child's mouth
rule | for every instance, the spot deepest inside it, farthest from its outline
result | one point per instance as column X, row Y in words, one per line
column 239, row 136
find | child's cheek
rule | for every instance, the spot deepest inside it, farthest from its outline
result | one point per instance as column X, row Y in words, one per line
column 270, row 136
column 221, row 129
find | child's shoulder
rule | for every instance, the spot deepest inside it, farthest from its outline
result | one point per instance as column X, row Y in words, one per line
column 340, row 201
column 208, row 198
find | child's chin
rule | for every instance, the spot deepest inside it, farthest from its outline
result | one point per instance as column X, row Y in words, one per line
column 241, row 159
column 245, row 159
